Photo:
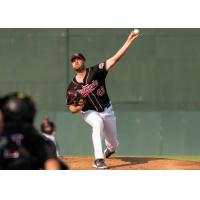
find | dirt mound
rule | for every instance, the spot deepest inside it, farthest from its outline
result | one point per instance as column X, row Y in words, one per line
column 132, row 163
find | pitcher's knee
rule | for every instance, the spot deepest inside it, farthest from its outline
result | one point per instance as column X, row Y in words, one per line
column 98, row 125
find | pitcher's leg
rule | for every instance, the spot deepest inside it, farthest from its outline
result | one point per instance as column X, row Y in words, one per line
column 110, row 132
column 96, row 122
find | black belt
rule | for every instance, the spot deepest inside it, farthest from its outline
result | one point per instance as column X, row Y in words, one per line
column 109, row 104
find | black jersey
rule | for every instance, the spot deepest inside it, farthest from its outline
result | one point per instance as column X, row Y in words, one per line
column 93, row 88
column 25, row 149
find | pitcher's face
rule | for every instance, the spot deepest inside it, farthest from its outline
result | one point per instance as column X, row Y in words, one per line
column 78, row 65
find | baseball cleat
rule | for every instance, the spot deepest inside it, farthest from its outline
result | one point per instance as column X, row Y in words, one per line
column 100, row 164
column 108, row 153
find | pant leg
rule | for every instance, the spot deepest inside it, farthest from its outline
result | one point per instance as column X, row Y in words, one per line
column 96, row 122
column 110, row 129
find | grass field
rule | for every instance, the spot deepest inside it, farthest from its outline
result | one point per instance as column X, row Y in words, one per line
column 175, row 157
column 189, row 158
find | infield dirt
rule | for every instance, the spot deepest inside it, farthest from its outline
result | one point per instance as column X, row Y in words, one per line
column 132, row 163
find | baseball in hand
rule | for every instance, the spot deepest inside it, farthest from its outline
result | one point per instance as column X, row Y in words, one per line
column 136, row 31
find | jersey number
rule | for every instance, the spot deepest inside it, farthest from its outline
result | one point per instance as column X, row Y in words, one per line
column 101, row 91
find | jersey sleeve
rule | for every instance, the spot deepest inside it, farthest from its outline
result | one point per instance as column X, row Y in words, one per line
column 100, row 69
column 69, row 100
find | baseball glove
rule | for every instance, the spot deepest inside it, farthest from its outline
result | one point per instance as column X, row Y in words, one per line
column 74, row 97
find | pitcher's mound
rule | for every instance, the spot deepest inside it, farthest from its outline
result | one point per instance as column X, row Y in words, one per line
column 132, row 163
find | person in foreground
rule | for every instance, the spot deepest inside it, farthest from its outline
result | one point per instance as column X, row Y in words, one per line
column 21, row 145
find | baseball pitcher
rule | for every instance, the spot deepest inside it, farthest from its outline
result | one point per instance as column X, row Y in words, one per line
column 87, row 94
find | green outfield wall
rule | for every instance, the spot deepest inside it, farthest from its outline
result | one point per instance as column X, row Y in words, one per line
column 154, row 88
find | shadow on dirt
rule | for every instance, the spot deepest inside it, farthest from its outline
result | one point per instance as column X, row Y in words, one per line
column 133, row 161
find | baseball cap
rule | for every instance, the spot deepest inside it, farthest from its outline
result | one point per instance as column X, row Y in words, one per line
column 77, row 55
column 18, row 107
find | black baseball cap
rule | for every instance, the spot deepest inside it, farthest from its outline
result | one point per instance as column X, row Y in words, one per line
column 18, row 107
column 77, row 55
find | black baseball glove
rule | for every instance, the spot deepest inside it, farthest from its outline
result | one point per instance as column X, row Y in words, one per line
column 74, row 97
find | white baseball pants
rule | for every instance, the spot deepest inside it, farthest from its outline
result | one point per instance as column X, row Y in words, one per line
column 103, row 130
